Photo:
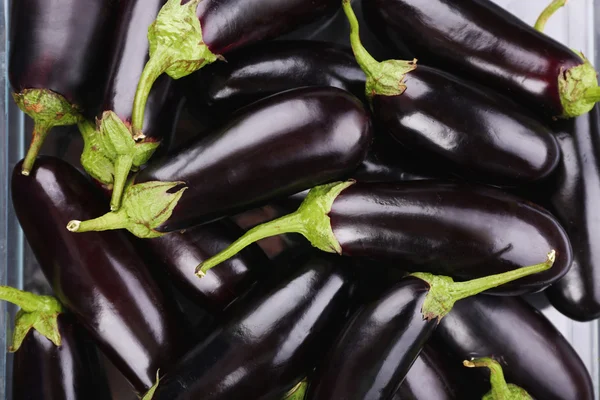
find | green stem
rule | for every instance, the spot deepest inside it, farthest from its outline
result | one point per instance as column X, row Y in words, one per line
column 298, row 392
column 548, row 12
column 444, row 292
column 123, row 164
column 40, row 132
column 593, row 94
column 29, row 302
column 310, row 220
column 499, row 385
column 155, row 67
column 106, row 222
column 364, row 59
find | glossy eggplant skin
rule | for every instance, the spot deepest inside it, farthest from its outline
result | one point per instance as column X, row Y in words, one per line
column 277, row 147
column 470, row 131
column 62, row 47
column 179, row 253
column 480, row 41
column 377, row 348
column 268, row 68
column 230, row 24
column 449, row 229
column 99, row 277
column 270, row 343
column 533, row 354
column 575, row 194
column 73, row 371
column 129, row 56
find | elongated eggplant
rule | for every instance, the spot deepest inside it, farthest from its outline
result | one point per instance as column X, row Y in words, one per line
column 454, row 124
column 100, row 278
column 189, row 34
column 279, row 146
column 265, row 69
column 573, row 200
column 480, row 41
column 58, row 62
column 270, row 344
column 500, row 388
column 129, row 54
column 533, row 354
column 54, row 358
column 449, row 229
column 382, row 340
column 179, row 253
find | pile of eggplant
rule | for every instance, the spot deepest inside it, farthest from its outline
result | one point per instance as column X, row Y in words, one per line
column 290, row 200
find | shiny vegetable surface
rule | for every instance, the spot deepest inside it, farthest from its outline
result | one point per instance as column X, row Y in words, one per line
column 100, row 277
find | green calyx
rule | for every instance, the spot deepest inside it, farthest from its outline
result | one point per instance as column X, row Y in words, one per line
column 578, row 89
column 384, row 78
column 145, row 207
column 37, row 312
column 548, row 12
column 150, row 393
column 311, row 220
column 298, row 392
column 500, row 389
column 444, row 292
column 93, row 158
column 47, row 109
column 176, row 48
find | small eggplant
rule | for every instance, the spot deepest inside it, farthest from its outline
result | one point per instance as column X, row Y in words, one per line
column 54, row 359
column 481, row 41
column 462, row 231
column 279, row 146
column 500, row 389
column 533, row 354
column 573, row 201
column 178, row 253
column 455, row 124
column 189, row 34
column 268, row 345
column 100, row 277
column 58, row 62
column 377, row 348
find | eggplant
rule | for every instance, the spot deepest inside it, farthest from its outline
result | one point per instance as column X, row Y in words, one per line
column 268, row 68
column 54, row 359
column 58, row 62
column 452, row 229
column 270, row 344
column 279, row 146
column 482, row 42
column 178, row 254
column 500, row 388
column 454, row 124
column 533, row 354
column 572, row 197
column 100, row 278
column 128, row 56
column 377, row 348
column 190, row 34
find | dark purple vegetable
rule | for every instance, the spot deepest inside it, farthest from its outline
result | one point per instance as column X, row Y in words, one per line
column 268, row 345
column 462, row 231
column 377, row 348
column 268, row 68
column 179, row 253
column 54, row 358
column 533, row 354
column 500, row 388
column 58, row 61
column 480, row 41
column 574, row 201
column 189, row 34
column 455, row 125
column 98, row 277
column 279, row 146
column 129, row 54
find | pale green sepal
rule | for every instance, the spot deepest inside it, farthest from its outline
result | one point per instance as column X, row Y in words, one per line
column 93, row 159
column 176, row 35
column 150, row 393
column 387, row 78
column 143, row 152
column 573, row 84
column 438, row 302
column 48, row 106
column 298, row 392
